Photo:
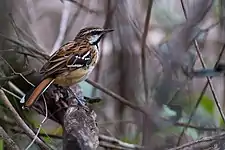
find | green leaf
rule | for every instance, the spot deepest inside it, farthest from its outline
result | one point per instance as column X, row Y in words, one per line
column 221, row 123
column 1, row 145
column 133, row 139
column 207, row 104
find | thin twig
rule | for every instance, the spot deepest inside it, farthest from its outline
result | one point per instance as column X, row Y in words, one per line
column 103, row 138
column 97, row 12
column 8, row 141
column 22, row 32
column 118, row 142
column 117, row 97
column 108, row 19
column 11, row 93
column 15, row 88
column 20, row 52
column 63, row 25
column 27, row 47
column 42, row 122
column 204, row 139
column 20, row 121
column 110, row 146
column 143, row 66
column 143, row 54
column 199, row 128
column 15, row 71
column 202, row 93
column 13, row 77
column 209, row 82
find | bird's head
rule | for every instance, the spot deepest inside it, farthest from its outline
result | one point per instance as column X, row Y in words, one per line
column 93, row 34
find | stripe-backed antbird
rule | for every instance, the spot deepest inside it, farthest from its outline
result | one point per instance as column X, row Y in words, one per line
column 72, row 63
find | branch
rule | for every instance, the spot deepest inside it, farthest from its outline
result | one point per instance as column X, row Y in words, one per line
column 97, row 12
column 16, row 75
column 117, row 97
column 8, row 141
column 119, row 143
column 204, row 139
column 80, row 129
column 20, row 121
column 63, row 26
column 209, row 82
column 27, row 47
column 143, row 54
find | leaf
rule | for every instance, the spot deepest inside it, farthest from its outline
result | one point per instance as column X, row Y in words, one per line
column 133, row 139
column 207, row 104
column 1, row 145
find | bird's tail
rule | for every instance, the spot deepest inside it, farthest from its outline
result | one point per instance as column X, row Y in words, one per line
column 34, row 94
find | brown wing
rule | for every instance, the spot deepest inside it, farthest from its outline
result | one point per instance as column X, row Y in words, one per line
column 70, row 56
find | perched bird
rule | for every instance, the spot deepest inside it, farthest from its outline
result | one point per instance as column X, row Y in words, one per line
column 72, row 63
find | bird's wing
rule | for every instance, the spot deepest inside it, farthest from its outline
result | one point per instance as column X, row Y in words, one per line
column 69, row 57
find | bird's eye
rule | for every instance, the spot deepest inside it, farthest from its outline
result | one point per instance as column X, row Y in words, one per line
column 95, row 32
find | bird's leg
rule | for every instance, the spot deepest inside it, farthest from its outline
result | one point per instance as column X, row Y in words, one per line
column 92, row 100
column 81, row 100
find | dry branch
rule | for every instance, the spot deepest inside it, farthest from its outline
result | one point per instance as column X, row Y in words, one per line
column 20, row 121
column 80, row 130
column 200, row 141
column 8, row 141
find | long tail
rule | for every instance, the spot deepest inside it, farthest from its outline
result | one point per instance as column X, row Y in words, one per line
column 31, row 98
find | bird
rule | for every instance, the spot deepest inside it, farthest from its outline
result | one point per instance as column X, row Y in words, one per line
column 70, row 64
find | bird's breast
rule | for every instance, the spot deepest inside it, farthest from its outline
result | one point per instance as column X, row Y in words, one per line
column 69, row 78
column 72, row 77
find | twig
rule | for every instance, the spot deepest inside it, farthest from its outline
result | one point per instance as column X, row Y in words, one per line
column 8, row 141
column 110, row 146
column 108, row 17
column 20, row 121
column 42, row 122
column 202, row 93
column 15, row 88
column 63, row 26
column 117, row 97
column 209, row 82
column 16, row 76
column 105, row 141
column 114, row 122
column 27, row 47
column 20, row 52
column 73, row 19
column 144, row 69
column 200, row 128
column 15, row 71
column 204, row 139
column 97, row 12
column 22, row 32
column 119, row 143
column 143, row 53
column 11, row 93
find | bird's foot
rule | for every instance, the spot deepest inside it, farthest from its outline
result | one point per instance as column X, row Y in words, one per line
column 92, row 100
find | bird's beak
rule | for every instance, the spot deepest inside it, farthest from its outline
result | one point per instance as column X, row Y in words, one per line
column 107, row 30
